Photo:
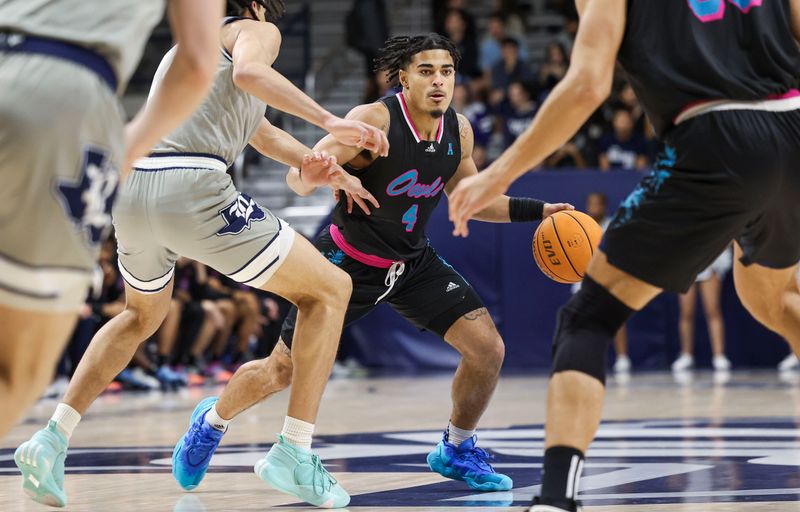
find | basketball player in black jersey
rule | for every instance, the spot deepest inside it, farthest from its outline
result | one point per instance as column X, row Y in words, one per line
column 719, row 81
column 387, row 255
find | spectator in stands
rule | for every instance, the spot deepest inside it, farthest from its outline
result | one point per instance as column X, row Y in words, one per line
column 623, row 148
column 456, row 28
column 440, row 10
column 480, row 116
column 567, row 36
column 627, row 99
column 366, row 29
column 509, row 69
column 490, row 50
column 520, row 113
column 709, row 284
column 567, row 156
column 554, row 67
column 514, row 15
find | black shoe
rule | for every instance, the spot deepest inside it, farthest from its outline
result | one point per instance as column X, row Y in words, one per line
column 554, row 506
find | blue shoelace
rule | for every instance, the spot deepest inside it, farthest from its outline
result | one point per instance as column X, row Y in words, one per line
column 202, row 443
column 477, row 457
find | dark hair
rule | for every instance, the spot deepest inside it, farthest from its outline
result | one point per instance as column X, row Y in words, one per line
column 508, row 40
column 526, row 86
column 398, row 52
column 498, row 15
column 274, row 8
column 599, row 195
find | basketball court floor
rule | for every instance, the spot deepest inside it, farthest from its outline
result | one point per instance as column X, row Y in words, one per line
column 697, row 443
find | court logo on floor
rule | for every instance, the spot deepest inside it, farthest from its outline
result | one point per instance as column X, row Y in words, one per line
column 639, row 462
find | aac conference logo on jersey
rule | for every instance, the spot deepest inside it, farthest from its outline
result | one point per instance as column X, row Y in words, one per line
column 638, row 462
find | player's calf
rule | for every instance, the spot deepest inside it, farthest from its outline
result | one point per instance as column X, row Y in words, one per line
column 586, row 327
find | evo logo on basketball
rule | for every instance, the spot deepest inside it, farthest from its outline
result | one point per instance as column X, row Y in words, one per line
column 407, row 184
column 550, row 253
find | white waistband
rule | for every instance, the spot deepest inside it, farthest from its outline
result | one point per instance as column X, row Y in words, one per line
column 154, row 163
column 780, row 105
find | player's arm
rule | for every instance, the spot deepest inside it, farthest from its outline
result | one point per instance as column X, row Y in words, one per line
column 796, row 19
column 318, row 168
column 272, row 142
column 503, row 208
column 195, row 28
column 374, row 114
column 254, row 50
column 584, row 88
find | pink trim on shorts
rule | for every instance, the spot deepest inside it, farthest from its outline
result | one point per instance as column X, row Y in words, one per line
column 366, row 259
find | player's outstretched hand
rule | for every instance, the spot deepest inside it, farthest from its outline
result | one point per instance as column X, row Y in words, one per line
column 551, row 208
column 342, row 181
column 315, row 168
column 359, row 134
column 470, row 196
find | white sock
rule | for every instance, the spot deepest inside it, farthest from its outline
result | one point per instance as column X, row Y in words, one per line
column 298, row 432
column 215, row 420
column 66, row 419
column 456, row 436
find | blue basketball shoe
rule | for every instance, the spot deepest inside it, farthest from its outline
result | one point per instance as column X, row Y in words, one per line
column 469, row 463
column 193, row 452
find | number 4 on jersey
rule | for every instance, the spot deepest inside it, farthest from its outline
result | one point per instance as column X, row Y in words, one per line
column 410, row 218
column 714, row 10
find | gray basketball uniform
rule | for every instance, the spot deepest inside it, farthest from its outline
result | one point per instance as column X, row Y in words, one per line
column 62, row 63
column 181, row 202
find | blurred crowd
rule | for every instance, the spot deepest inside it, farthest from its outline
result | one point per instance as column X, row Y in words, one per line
column 501, row 84
column 213, row 325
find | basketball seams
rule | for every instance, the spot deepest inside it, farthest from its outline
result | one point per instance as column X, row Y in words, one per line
column 588, row 238
column 566, row 255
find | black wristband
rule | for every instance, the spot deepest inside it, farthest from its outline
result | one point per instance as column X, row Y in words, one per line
column 524, row 209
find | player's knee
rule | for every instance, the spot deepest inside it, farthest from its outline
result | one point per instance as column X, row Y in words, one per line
column 586, row 326
column 280, row 369
column 489, row 353
column 140, row 323
column 334, row 290
column 496, row 352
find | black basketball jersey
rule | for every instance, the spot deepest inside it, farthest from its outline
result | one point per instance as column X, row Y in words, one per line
column 681, row 52
column 408, row 185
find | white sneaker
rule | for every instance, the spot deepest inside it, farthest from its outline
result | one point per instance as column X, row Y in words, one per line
column 683, row 363
column 622, row 364
column 721, row 364
column 57, row 388
column 790, row 362
column 150, row 381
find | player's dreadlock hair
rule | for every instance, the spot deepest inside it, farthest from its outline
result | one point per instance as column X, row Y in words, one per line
column 274, row 8
column 398, row 52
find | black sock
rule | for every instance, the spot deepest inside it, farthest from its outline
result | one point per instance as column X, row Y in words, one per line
column 161, row 360
column 560, row 474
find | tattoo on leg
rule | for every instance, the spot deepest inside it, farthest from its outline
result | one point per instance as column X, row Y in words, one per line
column 285, row 349
column 474, row 315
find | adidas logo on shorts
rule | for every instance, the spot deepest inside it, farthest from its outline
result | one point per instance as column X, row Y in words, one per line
column 452, row 286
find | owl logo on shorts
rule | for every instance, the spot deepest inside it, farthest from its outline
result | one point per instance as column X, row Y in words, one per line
column 239, row 214
column 88, row 198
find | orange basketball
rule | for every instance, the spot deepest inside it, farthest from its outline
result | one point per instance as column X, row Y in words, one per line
column 564, row 244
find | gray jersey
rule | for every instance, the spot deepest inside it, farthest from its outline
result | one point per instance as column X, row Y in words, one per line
column 224, row 122
column 115, row 29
